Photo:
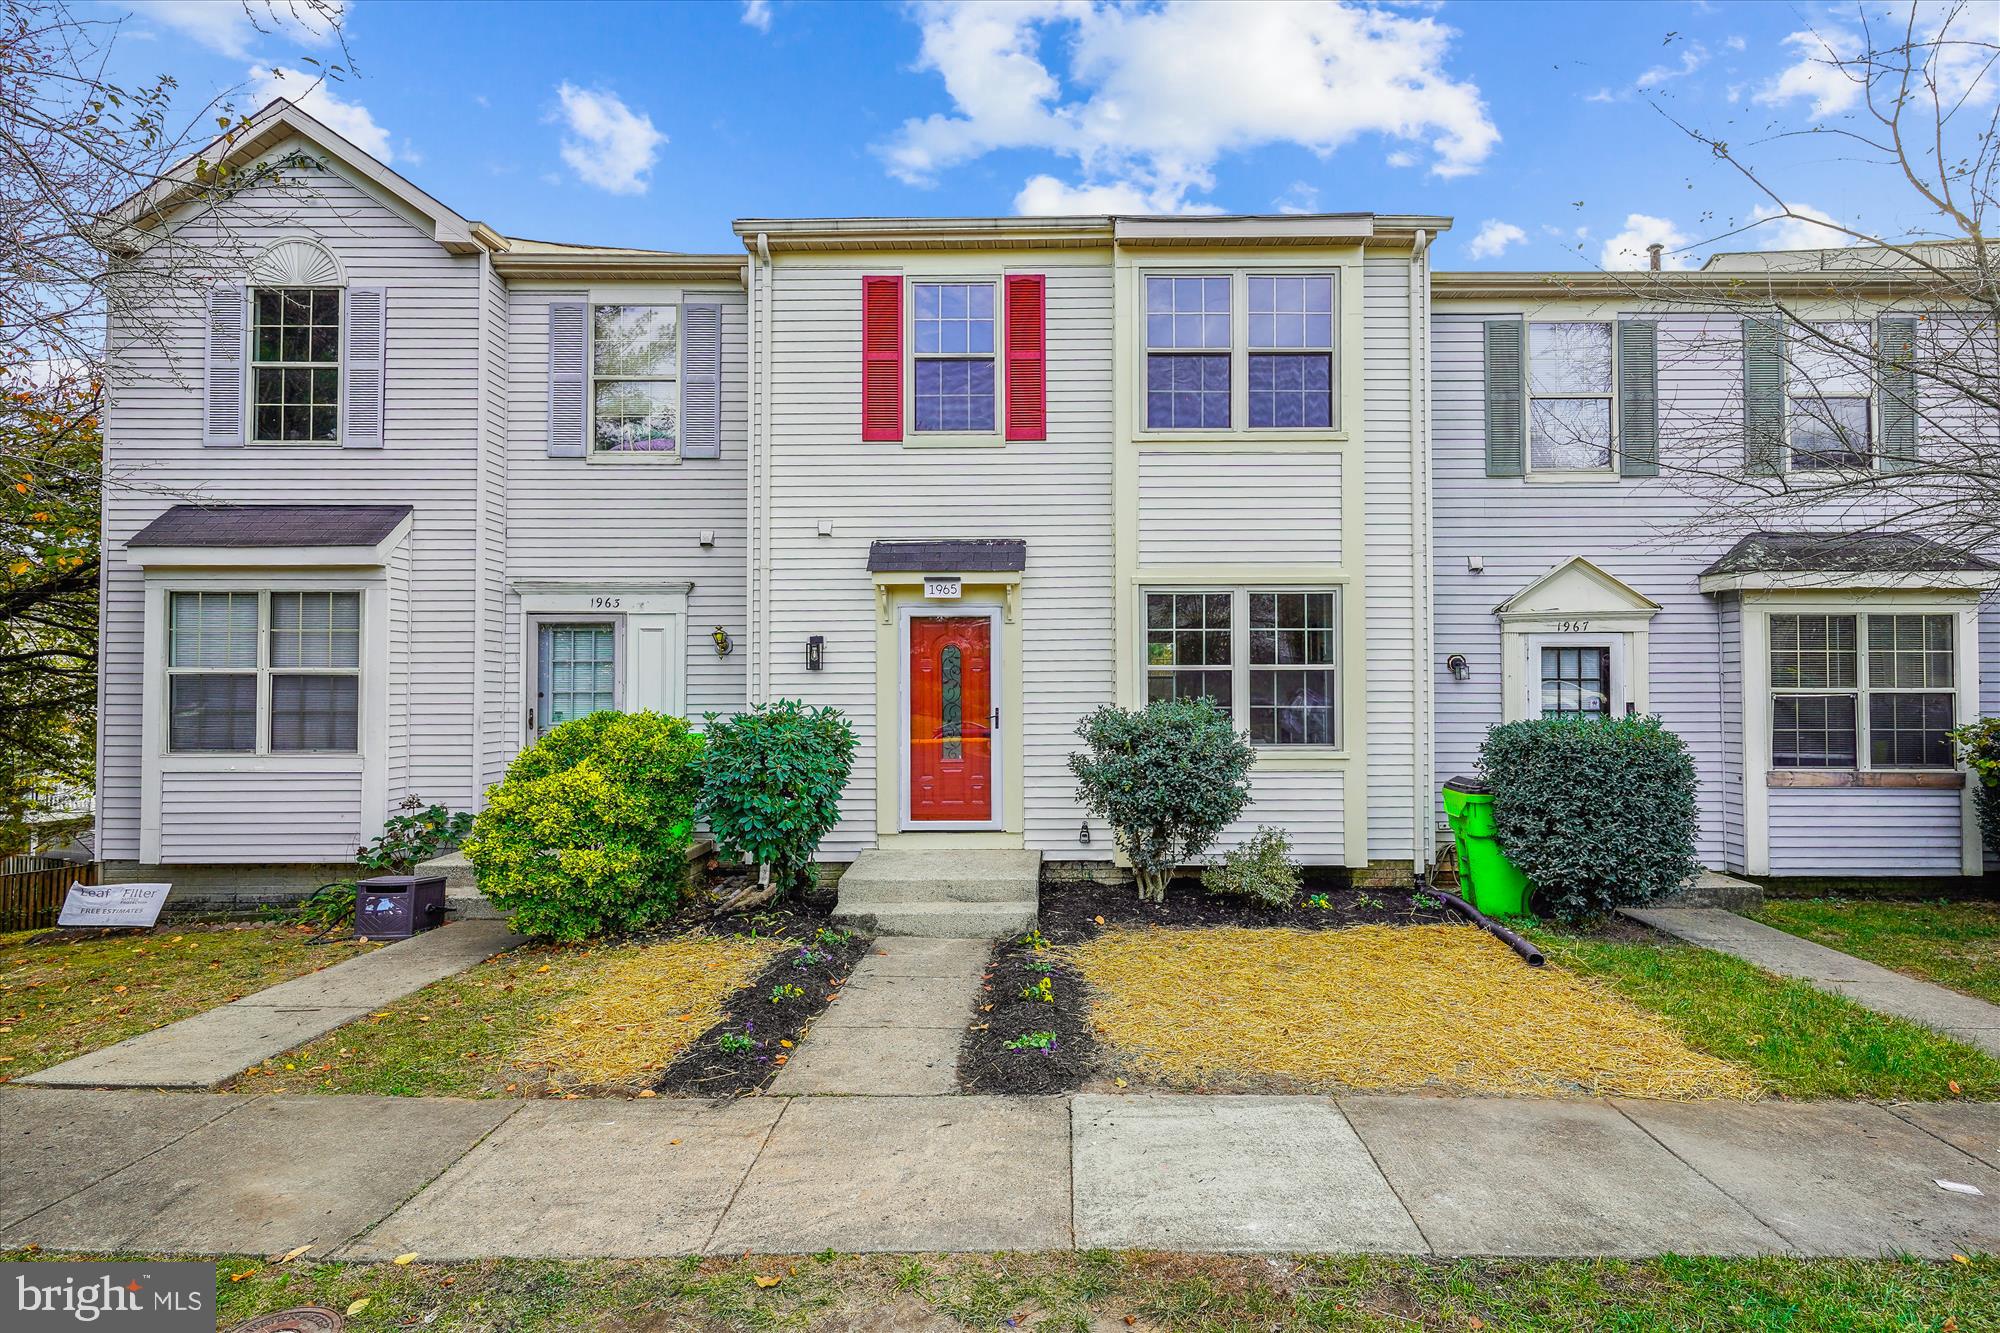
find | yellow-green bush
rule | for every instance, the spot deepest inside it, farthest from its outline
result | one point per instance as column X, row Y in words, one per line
column 589, row 832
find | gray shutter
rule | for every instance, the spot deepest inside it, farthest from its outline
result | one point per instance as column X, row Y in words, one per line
column 1896, row 351
column 367, row 333
column 1763, row 397
column 222, row 404
column 1506, row 427
column 701, row 381
column 569, row 348
column 1638, row 398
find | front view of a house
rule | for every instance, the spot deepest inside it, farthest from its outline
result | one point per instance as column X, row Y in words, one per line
column 417, row 492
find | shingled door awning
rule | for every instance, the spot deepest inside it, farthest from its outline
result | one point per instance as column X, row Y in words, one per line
column 246, row 534
column 974, row 555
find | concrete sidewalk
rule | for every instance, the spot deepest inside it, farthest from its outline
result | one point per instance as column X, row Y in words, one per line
column 896, row 1028
column 370, row 1177
column 1970, row 1020
column 211, row 1048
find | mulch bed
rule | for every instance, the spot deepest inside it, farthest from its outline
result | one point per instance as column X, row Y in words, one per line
column 1072, row 912
column 985, row 1064
column 817, row 967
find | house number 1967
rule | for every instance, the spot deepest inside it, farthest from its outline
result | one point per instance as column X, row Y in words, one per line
column 1572, row 626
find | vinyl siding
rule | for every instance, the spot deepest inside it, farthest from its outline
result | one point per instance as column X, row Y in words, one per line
column 1305, row 805
column 1393, row 651
column 1729, row 701
column 1849, row 831
column 1238, row 509
column 1057, row 495
column 313, row 816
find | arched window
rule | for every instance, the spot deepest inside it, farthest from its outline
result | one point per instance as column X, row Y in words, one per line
column 295, row 344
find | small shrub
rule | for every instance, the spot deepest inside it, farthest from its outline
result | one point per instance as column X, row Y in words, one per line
column 416, row 835
column 771, row 785
column 1261, row 868
column 589, row 832
column 328, row 907
column 1168, row 778
column 1599, row 814
column 1978, row 745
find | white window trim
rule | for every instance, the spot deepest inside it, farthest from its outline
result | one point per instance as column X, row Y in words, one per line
column 652, row 642
column 1872, row 398
column 956, row 439
column 1240, row 664
column 1523, row 636
column 1609, row 472
column 251, row 366
column 1756, row 611
column 1861, row 690
column 370, row 761
column 1239, row 428
column 639, row 297
column 1617, row 641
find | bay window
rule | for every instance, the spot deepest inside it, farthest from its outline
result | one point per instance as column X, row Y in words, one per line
column 635, row 391
column 1830, row 708
column 263, row 673
column 1267, row 657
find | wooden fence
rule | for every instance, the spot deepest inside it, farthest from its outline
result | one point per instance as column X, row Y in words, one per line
column 32, row 899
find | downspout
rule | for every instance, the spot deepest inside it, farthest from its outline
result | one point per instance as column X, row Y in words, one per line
column 752, row 595
column 1421, row 630
column 763, row 662
column 475, row 796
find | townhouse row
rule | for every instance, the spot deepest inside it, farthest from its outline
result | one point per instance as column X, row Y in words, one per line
column 394, row 493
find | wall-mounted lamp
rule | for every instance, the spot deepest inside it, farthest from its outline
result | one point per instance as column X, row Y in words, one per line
column 815, row 651
column 1083, row 834
column 1475, row 564
column 706, row 536
column 722, row 643
column 1460, row 668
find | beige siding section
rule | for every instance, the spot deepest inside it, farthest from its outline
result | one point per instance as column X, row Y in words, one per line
column 1238, row 509
column 1056, row 495
column 1393, row 650
column 307, row 816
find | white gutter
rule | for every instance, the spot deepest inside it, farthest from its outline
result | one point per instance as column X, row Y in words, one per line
column 1424, row 831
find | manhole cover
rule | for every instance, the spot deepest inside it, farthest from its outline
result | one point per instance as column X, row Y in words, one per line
column 304, row 1319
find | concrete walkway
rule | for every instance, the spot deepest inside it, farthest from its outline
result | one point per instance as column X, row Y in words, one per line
column 1970, row 1020
column 211, row 1048
column 371, row 1177
column 896, row 1028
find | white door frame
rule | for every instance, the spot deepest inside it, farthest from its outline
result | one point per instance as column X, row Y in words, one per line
column 992, row 613
column 1613, row 641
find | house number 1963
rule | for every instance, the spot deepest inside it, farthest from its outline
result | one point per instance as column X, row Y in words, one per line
column 1572, row 626
column 604, row 603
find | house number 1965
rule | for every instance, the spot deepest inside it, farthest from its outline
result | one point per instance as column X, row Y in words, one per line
column 1572, row 626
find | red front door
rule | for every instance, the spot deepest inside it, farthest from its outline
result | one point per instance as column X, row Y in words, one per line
column 951, row 710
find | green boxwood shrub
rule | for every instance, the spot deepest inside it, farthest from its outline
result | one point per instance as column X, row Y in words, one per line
column 1978, row 746
column 1261, row 868
column 1598, row 814
column 1168, row 778
column 589, row 833
column 771, row 785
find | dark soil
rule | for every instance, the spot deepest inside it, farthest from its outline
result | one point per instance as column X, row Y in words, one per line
column 817, row 967
column 1078, row 911
column 985, row 1064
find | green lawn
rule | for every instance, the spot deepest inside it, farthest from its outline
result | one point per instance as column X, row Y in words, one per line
column 61, row 998
column 1149, row 1293
column 1955, row 944
column 1800, row 1041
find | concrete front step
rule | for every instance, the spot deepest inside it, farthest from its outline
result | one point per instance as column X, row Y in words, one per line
column 888, row 892
column 941, row 893
column 943, row 921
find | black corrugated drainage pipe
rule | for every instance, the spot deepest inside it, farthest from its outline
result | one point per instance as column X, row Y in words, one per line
column 1529, row 953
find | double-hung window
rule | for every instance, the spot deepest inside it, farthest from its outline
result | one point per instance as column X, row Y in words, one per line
column 635, row 391
column 1291, row 352
column 275, row 672
column 1570, row 379
column 295, row 365
column 1265, row 656
column 953, row 345
column 1829, row 393
column 1188, row 338
column 1830, row 709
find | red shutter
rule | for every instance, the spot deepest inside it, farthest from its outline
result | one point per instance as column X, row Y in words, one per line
column 1027, row 357
column 882, row 358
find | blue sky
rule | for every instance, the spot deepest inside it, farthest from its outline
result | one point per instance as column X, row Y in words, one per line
column 1538, row 127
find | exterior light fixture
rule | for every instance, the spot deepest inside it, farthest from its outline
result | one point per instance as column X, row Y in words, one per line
column 1460, row 669
column 815, row 651
column 722, row 644
column 1083, row 834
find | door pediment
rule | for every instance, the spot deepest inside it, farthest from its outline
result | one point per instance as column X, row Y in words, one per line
column 1577, row 589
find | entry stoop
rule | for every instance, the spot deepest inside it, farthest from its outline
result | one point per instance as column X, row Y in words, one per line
column 941, row 893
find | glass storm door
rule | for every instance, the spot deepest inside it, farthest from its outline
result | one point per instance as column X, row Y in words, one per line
column 1576, row 682
column 578, row 673
column 951, row 710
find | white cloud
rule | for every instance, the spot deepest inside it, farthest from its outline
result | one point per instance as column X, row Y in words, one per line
column 1045, row 196
column 1494, row 237
column 314, row 95
column 1299, row 197
column 1627, row 250
column 757, row 13
column 227, row 26
column 1770, row 231
column 1812, row 75
column 1400, row 158
column 1954, row 41
column 609, row 145
column 1156, row 96
column 1693, row 56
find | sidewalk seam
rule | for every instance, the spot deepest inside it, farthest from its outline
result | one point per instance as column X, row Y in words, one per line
column 335, row 1251
column 784, row 1109
column 1430, row 1247
column 1714, row 1184
column 1895, row 1109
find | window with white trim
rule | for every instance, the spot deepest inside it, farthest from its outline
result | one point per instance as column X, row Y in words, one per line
column 1280, row 688
column 1576, row 680
column 1285, row 370
column 1291, row 351
column 1570, row 394
column 263, row 673
column 635, row 367
column 1855, row 691
column 1829, row 396
column 953, row 358
column 294, row 365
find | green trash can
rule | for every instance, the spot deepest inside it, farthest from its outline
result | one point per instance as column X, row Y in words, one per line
column 1486, row 878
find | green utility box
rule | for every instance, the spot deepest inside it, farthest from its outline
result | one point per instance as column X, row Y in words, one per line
column 1488, row 880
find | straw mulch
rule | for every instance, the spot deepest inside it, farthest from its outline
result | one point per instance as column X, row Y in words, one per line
column 646, row 1003
column 1379, row 1008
